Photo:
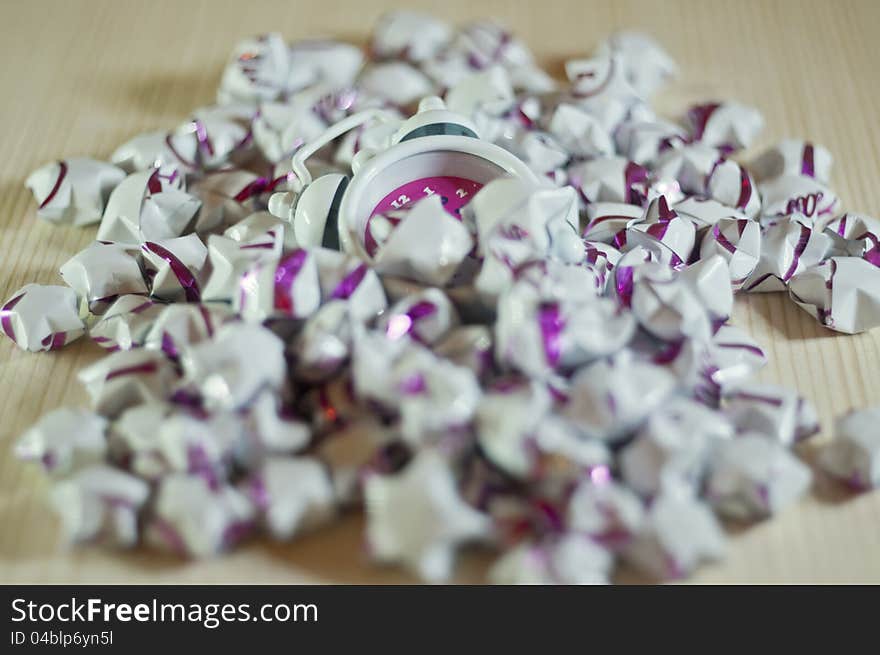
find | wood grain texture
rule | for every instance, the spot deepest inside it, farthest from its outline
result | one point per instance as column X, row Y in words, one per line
column 80, row 77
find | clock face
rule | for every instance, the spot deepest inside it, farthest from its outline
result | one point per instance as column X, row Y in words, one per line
column 385, row 187
column 455, row 193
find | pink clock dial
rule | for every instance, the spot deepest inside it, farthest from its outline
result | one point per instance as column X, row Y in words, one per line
column 455, row 193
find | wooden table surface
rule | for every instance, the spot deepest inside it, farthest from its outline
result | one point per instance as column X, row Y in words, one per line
column 80, row 77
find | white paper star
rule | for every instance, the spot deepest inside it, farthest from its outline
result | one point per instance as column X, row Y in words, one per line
column 417, row 517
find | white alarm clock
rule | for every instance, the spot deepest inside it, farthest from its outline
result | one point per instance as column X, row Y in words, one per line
column 436, row 151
